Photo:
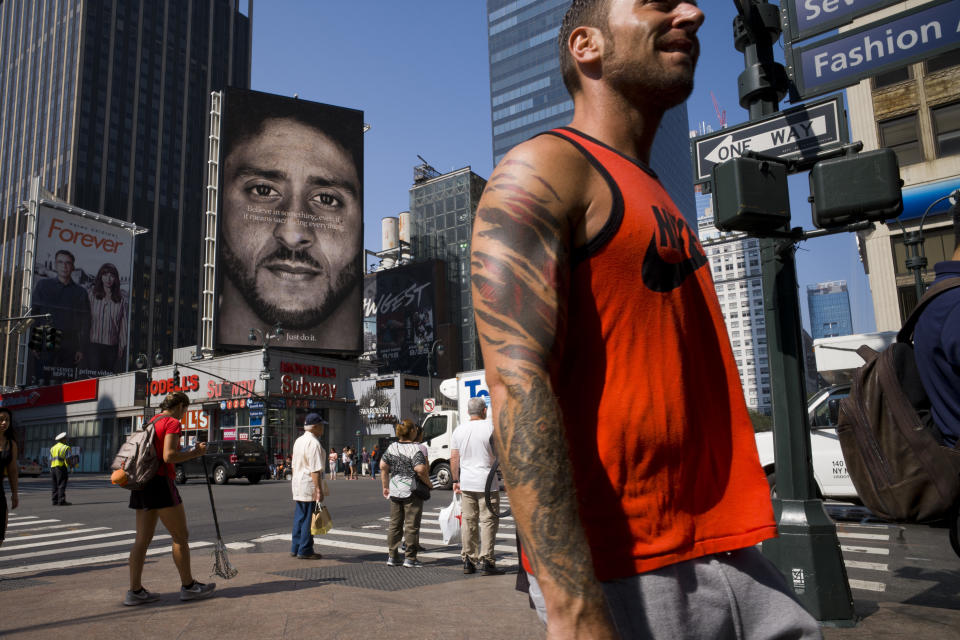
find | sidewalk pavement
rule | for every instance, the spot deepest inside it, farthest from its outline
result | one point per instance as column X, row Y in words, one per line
column 275, row 596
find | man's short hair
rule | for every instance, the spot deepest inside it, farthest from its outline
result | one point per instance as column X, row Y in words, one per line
column 249, row 111
column 582, row 13
column 66, row 253
column 476, row 406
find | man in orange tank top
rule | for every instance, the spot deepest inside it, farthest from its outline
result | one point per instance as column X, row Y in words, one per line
column 624, row 437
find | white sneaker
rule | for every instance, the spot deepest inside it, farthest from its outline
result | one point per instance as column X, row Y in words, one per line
column 198, row 591
column 412, row 563
column 393, row 562
column 133, row 598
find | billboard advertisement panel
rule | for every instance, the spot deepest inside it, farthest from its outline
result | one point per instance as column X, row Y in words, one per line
column 405, row 308
column 290, row 223
column 81, row 277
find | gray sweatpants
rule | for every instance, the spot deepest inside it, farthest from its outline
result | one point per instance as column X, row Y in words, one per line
column 738, row 595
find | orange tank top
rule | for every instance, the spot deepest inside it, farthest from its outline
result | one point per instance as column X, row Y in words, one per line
column 662, row 449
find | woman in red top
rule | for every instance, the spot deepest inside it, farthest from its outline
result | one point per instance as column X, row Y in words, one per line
column 160, row 500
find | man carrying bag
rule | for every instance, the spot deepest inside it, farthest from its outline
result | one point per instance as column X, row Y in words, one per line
column 307, row 485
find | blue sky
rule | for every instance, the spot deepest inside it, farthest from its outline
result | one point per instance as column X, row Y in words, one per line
column 419, row 71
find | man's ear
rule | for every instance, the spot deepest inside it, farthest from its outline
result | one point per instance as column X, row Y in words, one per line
column 586, row 45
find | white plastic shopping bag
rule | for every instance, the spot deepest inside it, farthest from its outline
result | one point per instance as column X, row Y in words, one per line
column 450, row 520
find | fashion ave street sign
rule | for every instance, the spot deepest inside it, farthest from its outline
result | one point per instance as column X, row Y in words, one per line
column 794, row 133
column 847, row 58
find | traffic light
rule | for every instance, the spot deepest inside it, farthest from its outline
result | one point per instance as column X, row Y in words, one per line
column 51, row 338
column 857, row 188
column 273, row 417
column 750, row 195
column 35, row 339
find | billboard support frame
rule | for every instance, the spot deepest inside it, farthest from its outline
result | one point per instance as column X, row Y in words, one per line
column 208, row 294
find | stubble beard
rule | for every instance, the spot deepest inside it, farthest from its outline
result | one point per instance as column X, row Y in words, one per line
column 337, row 291
column 649, row 83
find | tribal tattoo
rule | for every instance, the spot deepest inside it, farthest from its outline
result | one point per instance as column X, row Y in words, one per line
column 519, row 264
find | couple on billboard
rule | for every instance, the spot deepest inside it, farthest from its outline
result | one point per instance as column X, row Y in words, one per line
column 93, row 319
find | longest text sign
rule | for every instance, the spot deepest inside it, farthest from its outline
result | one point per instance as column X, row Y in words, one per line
column 805, row 18
column 847, row 58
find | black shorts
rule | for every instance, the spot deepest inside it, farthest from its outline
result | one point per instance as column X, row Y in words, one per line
column 159, row 493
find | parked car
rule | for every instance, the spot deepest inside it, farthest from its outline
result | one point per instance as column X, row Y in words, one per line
column 30, row 468
column 227, row 459
column 829, row 466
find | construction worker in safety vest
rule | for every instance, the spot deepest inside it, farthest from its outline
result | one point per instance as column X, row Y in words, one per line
column 58, row 469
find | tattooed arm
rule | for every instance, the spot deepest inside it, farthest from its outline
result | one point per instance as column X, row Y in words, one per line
column 532, row 212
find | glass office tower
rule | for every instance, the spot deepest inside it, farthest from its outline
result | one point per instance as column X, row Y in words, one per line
column 527, row 94
column 829, row 306
column 442, row 207
column 107, row 102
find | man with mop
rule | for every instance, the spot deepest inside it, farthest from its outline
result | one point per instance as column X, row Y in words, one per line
column 308, row 458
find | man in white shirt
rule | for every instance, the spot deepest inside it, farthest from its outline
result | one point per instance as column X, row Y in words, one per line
column 307, row 461
column 471, row 458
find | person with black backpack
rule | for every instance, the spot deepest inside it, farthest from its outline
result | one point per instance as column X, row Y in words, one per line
column 160, row 500
column 936, row 345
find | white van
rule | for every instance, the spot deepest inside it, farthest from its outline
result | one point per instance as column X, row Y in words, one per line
column 439, row 425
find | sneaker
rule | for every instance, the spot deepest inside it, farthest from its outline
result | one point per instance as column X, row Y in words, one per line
column 197, row 591
column 489, row 569
column 134, row 598
column 469, row 567
column 412, row 563
column 310, row 556
column 393, row 562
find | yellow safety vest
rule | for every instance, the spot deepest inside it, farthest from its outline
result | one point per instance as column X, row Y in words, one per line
column 58, row 455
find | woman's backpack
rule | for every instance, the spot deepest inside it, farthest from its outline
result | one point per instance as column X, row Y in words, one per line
column 137, row 461
column 893, row 449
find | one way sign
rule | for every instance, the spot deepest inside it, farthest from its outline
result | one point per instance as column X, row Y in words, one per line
column 801, row 131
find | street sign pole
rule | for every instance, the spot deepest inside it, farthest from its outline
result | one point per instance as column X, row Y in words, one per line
column 807, row 550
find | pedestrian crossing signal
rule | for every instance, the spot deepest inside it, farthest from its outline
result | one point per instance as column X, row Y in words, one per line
column 35, row 339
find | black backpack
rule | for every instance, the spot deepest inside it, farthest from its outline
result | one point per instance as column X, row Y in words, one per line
column 893, row 449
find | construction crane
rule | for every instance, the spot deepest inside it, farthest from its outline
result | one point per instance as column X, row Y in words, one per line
column 721, row 113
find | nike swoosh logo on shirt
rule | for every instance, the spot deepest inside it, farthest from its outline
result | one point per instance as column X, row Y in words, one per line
column 658, row 274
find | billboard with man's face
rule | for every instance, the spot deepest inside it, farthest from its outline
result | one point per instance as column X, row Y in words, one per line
column 81, row 277
column 290, row 225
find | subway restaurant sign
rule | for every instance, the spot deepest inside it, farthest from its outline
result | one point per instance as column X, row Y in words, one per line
column 893, row 42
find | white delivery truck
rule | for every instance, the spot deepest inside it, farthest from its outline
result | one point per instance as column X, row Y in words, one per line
column 836, row 361
column 439, row 424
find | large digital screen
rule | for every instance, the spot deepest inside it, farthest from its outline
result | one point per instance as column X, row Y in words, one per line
column 81, row 277
column 290, row 223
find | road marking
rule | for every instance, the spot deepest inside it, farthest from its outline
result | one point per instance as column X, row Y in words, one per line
column 863, row 536
column 12, row 518
column 437, row 521
column 870, row 566
column 320, row 540
column 46, row 528
column 82, row 562
column 47, row 543
column 504, row 536
column 20, row 524
column 874, row 550
column 239, row 545
column 83, row 547
column 866, row 585
column 371, row 526
column 273, row 536
column 382, row 536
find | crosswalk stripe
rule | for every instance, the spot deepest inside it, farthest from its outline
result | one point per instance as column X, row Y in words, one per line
column 18, row 532
column 436, row 521
column 20, row 524
column 874, row 550
column 82, row 562
column 47, row 543
column 867, row 585
column 12, row 518
column 341, row 544
column 503, row 536
column 870, row 566
column 863, row 536
column 54, row 535
column 382, row 536
column 82, row 547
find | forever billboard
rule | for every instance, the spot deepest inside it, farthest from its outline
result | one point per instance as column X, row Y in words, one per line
column 81, row 277
column 290, row 230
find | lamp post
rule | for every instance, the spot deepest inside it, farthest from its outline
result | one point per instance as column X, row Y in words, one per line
column 913, row 243
column 267, row 337
column 435, row 346
column 145, row 362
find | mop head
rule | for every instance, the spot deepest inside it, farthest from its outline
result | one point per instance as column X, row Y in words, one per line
column 221, row 564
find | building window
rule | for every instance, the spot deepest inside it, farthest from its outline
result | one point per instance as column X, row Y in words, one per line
column 946, row 129
column 891, row 77
column 901, row 135
column 943, row 61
